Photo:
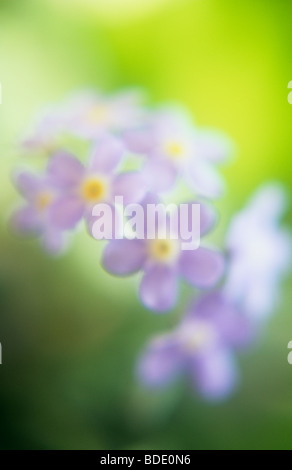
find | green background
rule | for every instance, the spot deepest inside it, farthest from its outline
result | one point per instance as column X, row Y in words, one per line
column 70, row 333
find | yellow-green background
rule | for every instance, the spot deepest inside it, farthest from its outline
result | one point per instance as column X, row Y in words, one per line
column 70, row 334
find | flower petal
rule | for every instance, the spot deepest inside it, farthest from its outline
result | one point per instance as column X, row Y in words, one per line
column 131, row 186
column 215, row 374
column 214, row 146
column 160, row 175
column 27, row 221
column 66, row 212
column 202, row 267
column 107, row 155
column 28, row 184
column 160, row 363
column 159, row 288
column 53, row 241
column 234, row 328
column 124, row 257
column 65, row 171
column 208, row 217
column 139, row 141
column 205, row 179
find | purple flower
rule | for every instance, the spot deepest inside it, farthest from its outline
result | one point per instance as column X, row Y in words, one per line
column 175, row 147
column 202, row 346
column 33, row 218
column 87, row 115
column 48, row 131
column 163, row 262
column 260, row 253
column 93, row 115
column 81, row 188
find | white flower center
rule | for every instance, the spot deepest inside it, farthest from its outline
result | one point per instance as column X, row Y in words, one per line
column 196, row 335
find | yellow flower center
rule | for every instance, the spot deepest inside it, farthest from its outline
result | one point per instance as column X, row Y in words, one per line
column 99, row 115
column 175, row 150
column 164, row 250
column 44, row 200
column 94, row 189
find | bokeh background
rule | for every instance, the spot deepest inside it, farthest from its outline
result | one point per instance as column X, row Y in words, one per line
column 70, row 333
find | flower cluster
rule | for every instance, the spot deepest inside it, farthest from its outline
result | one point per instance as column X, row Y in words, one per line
column 143, row 155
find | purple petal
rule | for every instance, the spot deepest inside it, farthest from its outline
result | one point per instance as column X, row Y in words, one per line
column 107, row 155
column 234, row 328
column 160, row 175
column 28, row 184
column 150, row 198
column 268, row 204
column 131, row 186
column 139, row 141
column 205, row 179
column 159, row 288
column 27, row 221
column 54, row 241
column 214, row 146
column 66, row 212
column 65, row 171
column 160, row 363
column 215, row 374
column 202, row 267
column 208, row 217
column 124, row 257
